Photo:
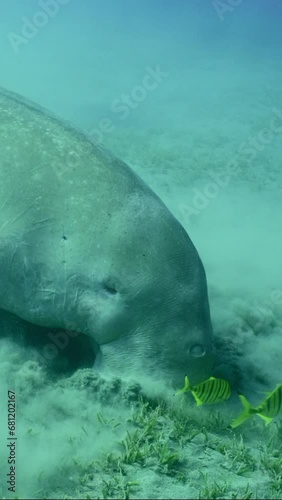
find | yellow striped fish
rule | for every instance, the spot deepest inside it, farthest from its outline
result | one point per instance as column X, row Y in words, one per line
column 267, row 410
column 210, row 391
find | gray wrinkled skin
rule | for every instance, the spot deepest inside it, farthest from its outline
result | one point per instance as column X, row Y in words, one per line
column 85, row 245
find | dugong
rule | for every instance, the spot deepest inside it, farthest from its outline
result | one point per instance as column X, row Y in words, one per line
column 87, row 247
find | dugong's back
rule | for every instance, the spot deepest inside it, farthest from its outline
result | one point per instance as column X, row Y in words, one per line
column 83, row 240
column 41, row 150
column 54, row 179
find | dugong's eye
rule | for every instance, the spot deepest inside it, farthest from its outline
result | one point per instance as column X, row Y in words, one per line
column 110, row 287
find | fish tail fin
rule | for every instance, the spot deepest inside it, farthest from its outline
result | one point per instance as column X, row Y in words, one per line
column 245, row 414
column 266, row 419
column 186, row 387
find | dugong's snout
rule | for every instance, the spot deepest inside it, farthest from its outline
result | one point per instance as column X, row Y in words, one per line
column 192, row 354
column 199, row 351
column 200, row 362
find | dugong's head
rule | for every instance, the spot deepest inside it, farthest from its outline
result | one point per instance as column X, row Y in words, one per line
column 146, row 305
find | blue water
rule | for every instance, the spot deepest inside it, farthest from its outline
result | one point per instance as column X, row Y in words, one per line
column 91, row 52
